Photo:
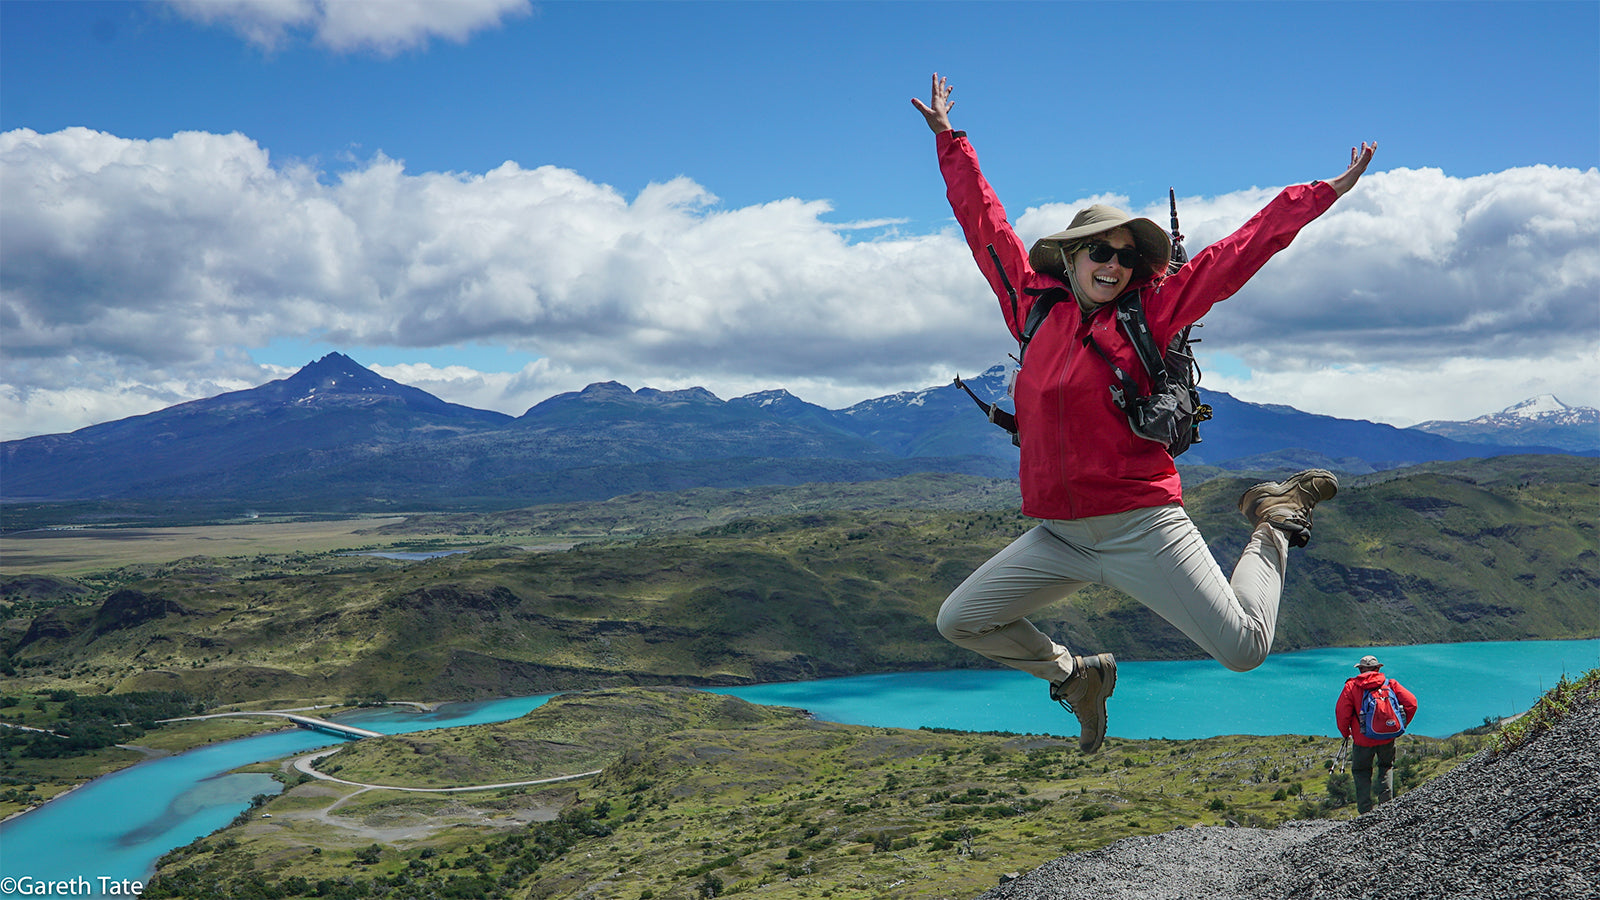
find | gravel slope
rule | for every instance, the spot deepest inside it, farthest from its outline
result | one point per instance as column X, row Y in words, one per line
column 1526, row 825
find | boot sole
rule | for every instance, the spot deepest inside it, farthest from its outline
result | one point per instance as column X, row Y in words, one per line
column 1108, row 683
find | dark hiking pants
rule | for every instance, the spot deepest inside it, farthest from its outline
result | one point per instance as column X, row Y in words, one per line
column 1361, row 760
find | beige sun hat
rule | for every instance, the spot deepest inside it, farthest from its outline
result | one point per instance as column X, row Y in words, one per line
column 1368, row 662
column 1155, row 247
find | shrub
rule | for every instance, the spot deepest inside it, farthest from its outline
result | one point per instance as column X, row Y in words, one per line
column 1341, row 789
column 1550, row 709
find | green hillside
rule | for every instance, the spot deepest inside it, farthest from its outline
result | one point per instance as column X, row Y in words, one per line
column 1489, row 550
column 705, row 796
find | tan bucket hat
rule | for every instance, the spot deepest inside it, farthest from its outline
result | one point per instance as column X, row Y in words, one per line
column 1155, row 247
column 1368, row 662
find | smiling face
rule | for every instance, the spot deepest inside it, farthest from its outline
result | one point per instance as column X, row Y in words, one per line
column 1102, row 282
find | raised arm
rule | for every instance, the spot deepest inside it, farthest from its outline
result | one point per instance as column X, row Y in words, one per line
column 1359, row 157
column 937, row 109
column 999, row 253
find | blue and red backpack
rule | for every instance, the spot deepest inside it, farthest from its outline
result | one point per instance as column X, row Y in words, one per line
column 1382, row 716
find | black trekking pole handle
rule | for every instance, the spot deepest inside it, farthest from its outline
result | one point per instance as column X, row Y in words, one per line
column 1179, row 255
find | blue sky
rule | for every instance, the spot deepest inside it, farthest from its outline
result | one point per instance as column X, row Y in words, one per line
column 497, row 201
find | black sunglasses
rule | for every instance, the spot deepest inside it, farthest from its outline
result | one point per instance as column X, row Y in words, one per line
column 1099, row 252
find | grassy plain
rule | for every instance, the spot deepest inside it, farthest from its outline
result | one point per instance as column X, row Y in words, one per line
column 98, row 549
column 81, row 551
column 32, row 782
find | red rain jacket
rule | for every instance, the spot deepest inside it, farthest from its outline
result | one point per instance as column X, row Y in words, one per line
column 1080, row 458
column 1347, row 712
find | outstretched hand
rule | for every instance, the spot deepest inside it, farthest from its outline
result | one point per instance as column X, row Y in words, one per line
column 1359, row 158
column 937, row 109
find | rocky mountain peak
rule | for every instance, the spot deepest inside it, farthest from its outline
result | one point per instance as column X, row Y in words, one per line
column 336, row 373
column 773, row 397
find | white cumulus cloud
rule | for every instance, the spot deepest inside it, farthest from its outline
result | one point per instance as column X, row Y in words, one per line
column 384, row 27
column 135, row 274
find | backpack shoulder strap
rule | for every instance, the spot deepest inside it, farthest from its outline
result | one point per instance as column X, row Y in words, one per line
column 1044, row 300
column 1006, row 281
column 1130, row 312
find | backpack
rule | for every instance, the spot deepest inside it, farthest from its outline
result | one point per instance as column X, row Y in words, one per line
column 1172, row 412
column 1382, row 716
column 1169, row 415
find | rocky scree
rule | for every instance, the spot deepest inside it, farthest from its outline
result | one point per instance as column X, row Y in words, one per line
column 1521, row 824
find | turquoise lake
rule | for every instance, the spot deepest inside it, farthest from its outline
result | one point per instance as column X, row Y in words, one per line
column 118, row 826
column 1457, row 686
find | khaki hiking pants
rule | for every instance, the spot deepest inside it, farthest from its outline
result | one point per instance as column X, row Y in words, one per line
column 1154, row 555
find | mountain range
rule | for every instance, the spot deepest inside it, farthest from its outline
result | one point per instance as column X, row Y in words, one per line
column 336, row 436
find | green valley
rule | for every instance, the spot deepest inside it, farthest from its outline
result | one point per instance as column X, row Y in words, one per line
column 1502, row 549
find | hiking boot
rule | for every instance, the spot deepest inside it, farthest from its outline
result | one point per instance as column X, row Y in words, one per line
column 1286, row 505
column 1085, row 694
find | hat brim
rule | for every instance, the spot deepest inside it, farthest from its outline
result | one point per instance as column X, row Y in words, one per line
column 1155, row 247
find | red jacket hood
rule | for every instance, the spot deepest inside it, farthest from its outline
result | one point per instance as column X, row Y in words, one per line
column 1366, row 681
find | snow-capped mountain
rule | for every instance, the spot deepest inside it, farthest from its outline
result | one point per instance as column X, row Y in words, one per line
column 1547, row 408
column 1542, row 420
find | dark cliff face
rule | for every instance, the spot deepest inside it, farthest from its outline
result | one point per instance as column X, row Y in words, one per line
column 448, row 598
column 56, row 625
column 123, row 610
column 129, row 609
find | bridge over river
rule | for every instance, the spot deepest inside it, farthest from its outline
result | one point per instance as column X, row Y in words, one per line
column 334, row 728
column 309, row 722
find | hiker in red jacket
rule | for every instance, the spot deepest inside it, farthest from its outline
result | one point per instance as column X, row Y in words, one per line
column 1367, row 748
column 1110, row 501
